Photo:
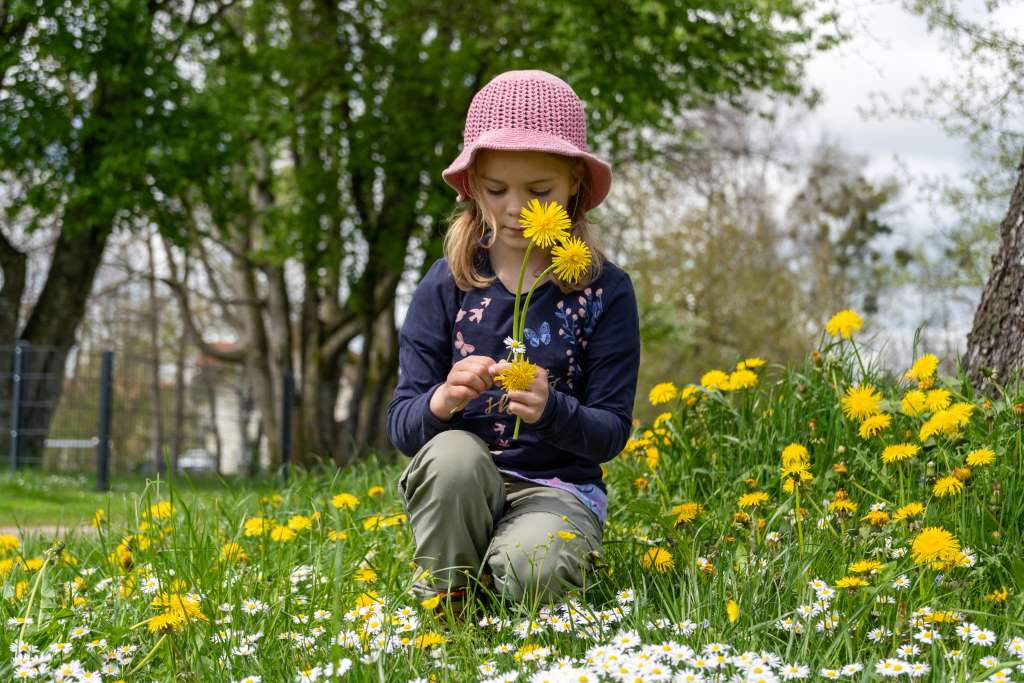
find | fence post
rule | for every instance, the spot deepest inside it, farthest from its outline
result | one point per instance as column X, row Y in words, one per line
column 287, row 399
column 103, row 429
column 14, row 456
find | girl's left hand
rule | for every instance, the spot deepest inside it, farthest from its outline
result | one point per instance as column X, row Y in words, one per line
column 528, row 405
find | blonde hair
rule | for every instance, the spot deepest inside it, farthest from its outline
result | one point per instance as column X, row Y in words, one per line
column 469, row 223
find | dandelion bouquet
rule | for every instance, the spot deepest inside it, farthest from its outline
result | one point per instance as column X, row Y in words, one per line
column 547, row 227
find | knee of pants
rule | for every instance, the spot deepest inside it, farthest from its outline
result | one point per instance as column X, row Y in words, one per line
column 543, row 571
column 450, row 461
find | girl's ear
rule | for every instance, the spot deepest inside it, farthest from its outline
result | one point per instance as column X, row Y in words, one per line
column 575, row 178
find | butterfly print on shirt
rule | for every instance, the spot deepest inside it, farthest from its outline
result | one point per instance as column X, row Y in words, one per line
column 464, row 347
column 540, row 336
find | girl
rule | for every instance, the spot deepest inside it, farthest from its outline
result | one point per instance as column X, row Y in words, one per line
column 524, row 514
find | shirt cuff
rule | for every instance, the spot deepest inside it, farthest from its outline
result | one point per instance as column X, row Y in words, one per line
column 549, row 414
column 430, row 421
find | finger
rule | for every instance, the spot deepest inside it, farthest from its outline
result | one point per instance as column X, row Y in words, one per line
column 470, row 379
column 525, row 398
column 496, row 368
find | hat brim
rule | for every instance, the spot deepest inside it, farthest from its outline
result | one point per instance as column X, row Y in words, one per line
column 512, row 139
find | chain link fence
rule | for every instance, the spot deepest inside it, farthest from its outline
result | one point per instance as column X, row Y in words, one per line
column 58, row 404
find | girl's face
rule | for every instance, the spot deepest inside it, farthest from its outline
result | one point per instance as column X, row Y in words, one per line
column 508, row 180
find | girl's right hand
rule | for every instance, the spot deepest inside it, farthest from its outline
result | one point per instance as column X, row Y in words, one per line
column 467, row 379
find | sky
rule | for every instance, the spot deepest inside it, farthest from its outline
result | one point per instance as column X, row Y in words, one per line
column 890, row 53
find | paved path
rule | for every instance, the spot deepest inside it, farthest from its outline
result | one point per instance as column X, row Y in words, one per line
column 46, row 530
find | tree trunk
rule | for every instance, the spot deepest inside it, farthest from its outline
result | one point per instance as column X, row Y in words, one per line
column 372, row 432
column 54, row 320
column 995, row 345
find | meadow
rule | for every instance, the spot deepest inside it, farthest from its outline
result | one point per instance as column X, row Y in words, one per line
column 824, row 520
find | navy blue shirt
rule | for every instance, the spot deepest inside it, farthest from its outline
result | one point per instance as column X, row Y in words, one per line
column 588, row 340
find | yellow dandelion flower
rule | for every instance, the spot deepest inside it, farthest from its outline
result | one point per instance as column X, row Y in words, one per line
column 947, row 486
column 375, row 491
column 874, row 425
column 865, row 566
column 844, row 323
column 876, row 517
column 981, row 457
column 998, row 596
column 686, row 512
column 546, row 225
column 899, row 452
column 732, row 611
column 367, row 599
column 518, row 376
column 394, row 520
column 232, row 552
column 659, row 559
column 842, row 503
column 337, row 535
column 937, row 399
column 566, row 535
column 750, row 363
column 652, row 457
column 365, row 575
column 431, row 603
column 662, row 419
column 372, row 522
column 907, row 511
column 752, row 500
column 662, row 393
column 935, row 544
column 570, row 259
column 714, row 379
column 299, row 523
column 282, row 534
column 851, row 582
column 257, row 526
column 344, row 501
column 914, row 403
column 165, row 622
column 861, row 402
column 691, row 394
column 428, row 640
column 948, row 421
column 9, row 542
column 794, row 454
column 161, row 510
column 923, row 368
column 97, row 519
column 740, row 379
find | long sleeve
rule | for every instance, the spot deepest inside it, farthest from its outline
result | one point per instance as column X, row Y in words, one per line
column 424, row 353
column 597, row 426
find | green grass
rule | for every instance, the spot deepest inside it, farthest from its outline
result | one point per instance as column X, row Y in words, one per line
column 30, row 498
column 725, row 445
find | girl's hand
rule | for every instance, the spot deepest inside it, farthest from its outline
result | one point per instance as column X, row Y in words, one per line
column 466, row 380
column 528, row 405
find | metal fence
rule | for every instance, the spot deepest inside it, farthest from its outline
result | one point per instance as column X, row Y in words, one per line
column 68, row 409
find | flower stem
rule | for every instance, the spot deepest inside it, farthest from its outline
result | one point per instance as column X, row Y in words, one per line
column 518, row 334
column 519, row 286
column 149, row 656
column 863, row 372
column 799, row 521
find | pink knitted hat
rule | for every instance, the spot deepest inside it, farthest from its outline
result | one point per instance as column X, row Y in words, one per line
column 528, row 110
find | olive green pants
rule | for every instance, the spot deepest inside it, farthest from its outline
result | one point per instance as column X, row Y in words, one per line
column 468, row 519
